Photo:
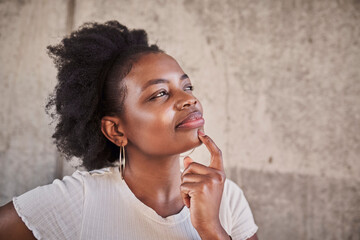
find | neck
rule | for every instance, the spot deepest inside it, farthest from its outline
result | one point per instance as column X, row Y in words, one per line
column 154, row 180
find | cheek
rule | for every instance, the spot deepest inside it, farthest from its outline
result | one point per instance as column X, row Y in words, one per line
column 151, row 130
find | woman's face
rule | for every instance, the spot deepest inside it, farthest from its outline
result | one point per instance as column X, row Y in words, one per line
column 159, row 97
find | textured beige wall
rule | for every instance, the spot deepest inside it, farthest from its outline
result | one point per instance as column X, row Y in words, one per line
column 279, row 82
column 27, row 155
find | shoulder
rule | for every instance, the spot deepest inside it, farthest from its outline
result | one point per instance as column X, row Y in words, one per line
column 55, row 211
column 232, row 192
column 59, row 190
column 233, row 198
column 81, row 178
column 236, row 207
column 231, row 185
column 94, row 179
column 107, row 172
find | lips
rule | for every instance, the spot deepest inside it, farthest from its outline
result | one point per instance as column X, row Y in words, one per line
column 192, row 120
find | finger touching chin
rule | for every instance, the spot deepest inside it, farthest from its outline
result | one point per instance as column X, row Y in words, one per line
column 189, row 140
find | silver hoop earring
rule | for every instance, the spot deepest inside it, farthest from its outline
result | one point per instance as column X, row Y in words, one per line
column 122, row 161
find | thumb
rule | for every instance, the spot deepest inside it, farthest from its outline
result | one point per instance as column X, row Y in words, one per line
column 187, row 161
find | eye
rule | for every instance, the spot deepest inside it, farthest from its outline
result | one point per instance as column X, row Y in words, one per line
column 160, row 94
column 189, row 87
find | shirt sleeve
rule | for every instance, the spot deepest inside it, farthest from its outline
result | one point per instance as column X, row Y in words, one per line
column 243, row 224
column 53, row 211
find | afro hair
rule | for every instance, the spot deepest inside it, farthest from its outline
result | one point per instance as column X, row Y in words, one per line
column 91, row 63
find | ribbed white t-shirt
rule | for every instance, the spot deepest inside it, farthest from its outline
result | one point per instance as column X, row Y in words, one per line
column 99, row 205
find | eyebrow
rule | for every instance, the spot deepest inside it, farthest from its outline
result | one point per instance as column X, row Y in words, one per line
column 160, row 80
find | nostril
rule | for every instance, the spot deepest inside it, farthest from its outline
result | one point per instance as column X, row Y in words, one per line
column 186, row 105
column 194, row 102
column 189, row 103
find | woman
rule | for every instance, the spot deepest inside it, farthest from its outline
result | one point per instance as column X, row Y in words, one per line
column 120, row 98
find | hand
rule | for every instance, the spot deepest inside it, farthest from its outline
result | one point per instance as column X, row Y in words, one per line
column 201, row 191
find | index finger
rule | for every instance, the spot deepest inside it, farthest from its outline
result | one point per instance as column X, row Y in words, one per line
column 216, row 154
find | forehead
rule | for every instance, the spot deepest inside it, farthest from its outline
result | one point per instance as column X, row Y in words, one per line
column 153, row 66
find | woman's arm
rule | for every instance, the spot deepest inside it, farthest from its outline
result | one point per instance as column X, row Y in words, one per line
column 11, row 225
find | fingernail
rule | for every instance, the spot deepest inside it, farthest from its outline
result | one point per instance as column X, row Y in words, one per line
column 201, row 133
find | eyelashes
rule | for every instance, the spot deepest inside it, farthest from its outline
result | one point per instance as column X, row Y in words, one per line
column 191, row 87
column 160, row 94
column 164, row 92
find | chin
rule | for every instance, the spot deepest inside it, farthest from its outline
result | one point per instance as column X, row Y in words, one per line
column 192, row 141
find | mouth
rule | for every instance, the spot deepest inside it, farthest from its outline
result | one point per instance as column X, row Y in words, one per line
column 193, row 120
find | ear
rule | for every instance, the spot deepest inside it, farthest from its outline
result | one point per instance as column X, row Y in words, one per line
column 113, row 130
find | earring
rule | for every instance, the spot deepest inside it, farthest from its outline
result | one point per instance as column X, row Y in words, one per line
column 122, row 161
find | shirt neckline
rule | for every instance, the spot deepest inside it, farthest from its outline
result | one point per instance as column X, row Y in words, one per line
column 131, row 199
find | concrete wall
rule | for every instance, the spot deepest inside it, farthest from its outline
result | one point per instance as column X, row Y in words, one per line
column 279, row 81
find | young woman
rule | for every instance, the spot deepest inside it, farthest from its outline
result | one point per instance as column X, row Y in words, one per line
column 120, row 99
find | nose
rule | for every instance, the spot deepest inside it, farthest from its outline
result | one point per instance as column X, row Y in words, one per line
column 186, row 102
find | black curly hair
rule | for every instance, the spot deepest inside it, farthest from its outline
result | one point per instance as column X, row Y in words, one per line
column 91, row 63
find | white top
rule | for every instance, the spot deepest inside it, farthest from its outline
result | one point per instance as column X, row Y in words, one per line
column 99, row 205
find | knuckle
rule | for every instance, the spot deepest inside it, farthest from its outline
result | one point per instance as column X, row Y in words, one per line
column 183, row 178
column 185, row 174
column 220, row 177
column 203, row 188
column 192, row 164
column 186, row 177
column 208, row 180
column 189, row 167
column 213, row 181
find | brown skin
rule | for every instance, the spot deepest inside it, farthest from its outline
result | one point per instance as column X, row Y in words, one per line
column 147, row 129
column 11, row 225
